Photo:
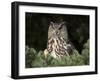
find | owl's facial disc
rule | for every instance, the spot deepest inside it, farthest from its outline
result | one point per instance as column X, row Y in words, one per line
column 56, row 27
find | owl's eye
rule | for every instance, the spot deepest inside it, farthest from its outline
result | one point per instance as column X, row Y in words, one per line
column 60, row 27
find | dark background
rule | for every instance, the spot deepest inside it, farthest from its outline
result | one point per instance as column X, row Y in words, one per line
column 37, row 29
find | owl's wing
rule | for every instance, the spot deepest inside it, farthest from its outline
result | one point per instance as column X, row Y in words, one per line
column 64, row 33
column 70, row 47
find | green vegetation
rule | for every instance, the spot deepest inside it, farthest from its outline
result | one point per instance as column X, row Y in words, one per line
column 37, row 59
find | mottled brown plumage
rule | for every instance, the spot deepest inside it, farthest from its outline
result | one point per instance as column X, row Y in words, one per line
column 58, row 44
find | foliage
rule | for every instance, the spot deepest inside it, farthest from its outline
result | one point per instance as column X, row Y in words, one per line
column 37, row 59
column 85, row 52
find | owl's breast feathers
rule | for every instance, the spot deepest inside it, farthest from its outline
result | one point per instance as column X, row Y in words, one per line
column 59, row 47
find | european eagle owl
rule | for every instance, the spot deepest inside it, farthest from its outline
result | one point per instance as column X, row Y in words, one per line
column 58, row 44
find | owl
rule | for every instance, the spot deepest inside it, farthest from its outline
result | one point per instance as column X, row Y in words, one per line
column 58, row 44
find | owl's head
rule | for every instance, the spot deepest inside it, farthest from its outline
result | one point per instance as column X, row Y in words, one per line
column 56, row 27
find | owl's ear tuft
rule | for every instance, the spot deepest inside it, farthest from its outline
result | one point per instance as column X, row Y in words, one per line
column 62, row 23
column 51, row 23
